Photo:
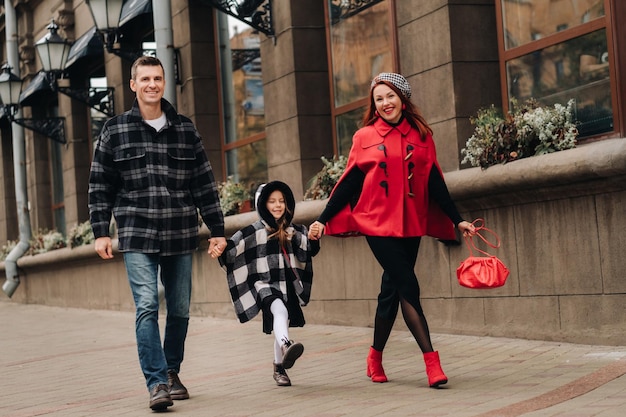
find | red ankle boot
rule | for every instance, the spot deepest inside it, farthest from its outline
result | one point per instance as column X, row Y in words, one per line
column 375, row 366
column 435, row 374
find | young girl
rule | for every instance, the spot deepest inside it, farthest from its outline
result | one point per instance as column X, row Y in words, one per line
column 269, row 269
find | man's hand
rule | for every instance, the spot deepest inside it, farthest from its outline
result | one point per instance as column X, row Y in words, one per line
column 104, row 248
column 216, row 246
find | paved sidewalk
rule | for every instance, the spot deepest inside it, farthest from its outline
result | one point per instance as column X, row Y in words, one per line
column 71, row 362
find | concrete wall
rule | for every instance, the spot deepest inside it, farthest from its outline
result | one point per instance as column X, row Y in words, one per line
column 559, row 217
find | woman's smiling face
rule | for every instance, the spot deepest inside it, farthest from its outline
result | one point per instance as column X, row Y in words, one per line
column 388, row 103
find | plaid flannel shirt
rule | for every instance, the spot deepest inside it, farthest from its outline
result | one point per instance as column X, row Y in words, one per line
column 153, row 183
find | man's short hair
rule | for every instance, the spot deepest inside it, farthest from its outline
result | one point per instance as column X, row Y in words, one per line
column 145, row 60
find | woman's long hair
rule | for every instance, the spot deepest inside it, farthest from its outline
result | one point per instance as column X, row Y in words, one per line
column 410, row 111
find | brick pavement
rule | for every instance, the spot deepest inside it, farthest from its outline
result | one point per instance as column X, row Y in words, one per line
column 72, row 362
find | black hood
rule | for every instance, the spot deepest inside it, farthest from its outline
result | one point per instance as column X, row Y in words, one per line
column 266, row 191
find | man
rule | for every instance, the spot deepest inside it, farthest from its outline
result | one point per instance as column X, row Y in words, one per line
column 151, row 172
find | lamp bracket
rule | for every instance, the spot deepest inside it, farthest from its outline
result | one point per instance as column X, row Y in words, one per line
column 99, row 98
column 110, row 40
column 254, row 13
column 53, row 127
column 343, row 9
column 243, row 56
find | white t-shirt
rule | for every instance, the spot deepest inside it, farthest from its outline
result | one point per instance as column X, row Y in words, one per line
column 159, row 123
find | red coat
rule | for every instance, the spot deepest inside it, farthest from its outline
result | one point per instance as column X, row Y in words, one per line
column 394, row 200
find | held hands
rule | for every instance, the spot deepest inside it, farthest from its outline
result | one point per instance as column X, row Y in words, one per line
column 467, row 228
column 216, row 246
column 316, row 230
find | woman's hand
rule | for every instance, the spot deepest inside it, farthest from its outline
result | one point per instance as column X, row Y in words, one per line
column 316, row 230
column 467, row 228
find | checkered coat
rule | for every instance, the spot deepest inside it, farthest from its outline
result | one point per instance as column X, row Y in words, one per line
column 153, row 183
column 256, row 268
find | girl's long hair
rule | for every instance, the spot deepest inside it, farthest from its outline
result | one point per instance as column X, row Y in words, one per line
column 410, row 111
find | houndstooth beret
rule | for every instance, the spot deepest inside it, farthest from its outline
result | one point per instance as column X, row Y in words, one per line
column 396, row 79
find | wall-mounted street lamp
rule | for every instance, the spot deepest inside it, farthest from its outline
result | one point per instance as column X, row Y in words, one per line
column 255, row 13
column 10, row 89
column 53, row 52
column 106, row 16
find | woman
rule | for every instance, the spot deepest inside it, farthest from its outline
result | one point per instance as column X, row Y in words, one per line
column 269, row 268
column 393, row 192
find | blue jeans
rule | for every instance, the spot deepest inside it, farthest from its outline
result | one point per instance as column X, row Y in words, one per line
column 143, row 275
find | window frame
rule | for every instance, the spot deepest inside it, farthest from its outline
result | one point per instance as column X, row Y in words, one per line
column 608, row 22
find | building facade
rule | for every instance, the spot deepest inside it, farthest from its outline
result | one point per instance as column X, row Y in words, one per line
column 275, row 85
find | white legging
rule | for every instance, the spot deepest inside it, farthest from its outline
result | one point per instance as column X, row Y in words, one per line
column 280, row 327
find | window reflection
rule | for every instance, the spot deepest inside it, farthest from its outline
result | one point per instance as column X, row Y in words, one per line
column 347, row 124
column 249, row 107
column 529, row 20
column 248, row 164
column 360, row 41
column 576, row 69
column 243, row 108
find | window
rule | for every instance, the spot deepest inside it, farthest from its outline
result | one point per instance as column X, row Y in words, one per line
column 361, row 44
column 51, row 184
column 558, row 50
column 97, row 117
column 243, row 106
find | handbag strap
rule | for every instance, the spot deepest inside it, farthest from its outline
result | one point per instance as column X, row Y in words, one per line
column 479, row 225
column 299, row 287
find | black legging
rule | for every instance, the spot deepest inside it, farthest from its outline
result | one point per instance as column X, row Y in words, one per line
column 399, row 286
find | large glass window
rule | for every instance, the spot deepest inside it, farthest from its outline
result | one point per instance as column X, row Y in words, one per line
column 243, row 104
column 530, row 20
column 361, row 44
column 559, row 50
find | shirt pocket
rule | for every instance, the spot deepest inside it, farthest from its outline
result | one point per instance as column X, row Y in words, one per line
column 131, row 164
column 181, row 163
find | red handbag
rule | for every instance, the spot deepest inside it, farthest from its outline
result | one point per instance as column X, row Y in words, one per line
column 479, row 271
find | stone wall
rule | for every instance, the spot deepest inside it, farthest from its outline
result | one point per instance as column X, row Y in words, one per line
column 559, row 217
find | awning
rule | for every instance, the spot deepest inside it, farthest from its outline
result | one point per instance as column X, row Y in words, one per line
column 38, row 85
column 134, row 8
column 90, row 44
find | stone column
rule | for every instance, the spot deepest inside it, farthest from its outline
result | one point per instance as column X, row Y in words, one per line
column 296, row 91
column 198, row 95
column 76, row 158
column 449, row 54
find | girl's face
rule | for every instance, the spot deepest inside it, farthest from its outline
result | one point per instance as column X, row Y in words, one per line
column 388, row 103
column 276, row 204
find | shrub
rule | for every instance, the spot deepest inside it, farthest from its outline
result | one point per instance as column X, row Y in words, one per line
column 320, row 186
column 81, row 234
column 232, row 196
column 527, row 130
